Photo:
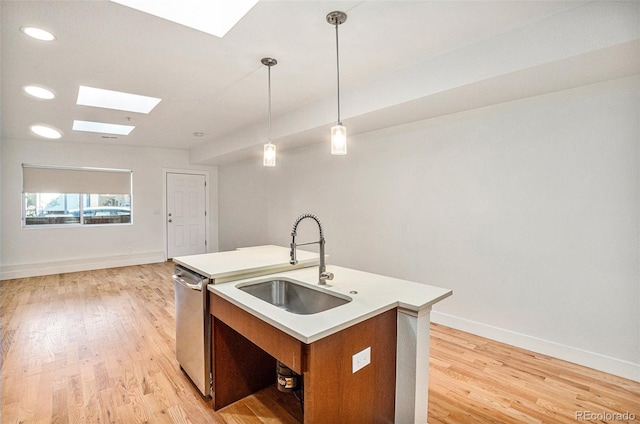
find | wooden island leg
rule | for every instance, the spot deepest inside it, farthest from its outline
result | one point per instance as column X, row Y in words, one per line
column 334, row 393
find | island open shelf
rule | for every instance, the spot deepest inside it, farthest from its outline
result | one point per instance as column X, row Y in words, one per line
column 245, row 350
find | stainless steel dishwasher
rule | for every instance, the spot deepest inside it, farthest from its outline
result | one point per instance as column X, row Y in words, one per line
column 193, row 326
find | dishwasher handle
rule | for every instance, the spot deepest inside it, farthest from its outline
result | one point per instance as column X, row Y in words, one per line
column 185, row 283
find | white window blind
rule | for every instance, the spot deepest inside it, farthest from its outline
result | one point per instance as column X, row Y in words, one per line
column 50, row 179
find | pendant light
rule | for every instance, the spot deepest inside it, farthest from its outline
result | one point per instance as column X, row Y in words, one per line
column 339, row 131
column 269, row 158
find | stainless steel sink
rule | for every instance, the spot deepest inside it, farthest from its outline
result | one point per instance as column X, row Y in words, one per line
column 293, row 296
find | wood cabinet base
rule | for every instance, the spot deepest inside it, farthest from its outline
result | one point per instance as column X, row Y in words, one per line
column 332, row 391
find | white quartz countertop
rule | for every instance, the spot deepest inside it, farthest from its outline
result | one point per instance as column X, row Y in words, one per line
column 375, row 294
column 245, row 261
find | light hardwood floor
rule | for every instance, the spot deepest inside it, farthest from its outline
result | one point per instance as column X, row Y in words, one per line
column 99, row 347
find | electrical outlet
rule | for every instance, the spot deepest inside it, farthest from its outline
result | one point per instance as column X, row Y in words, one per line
column 361, row 359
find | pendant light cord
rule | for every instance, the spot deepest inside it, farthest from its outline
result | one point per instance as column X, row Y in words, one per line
column 269, row 134
column 338, row 72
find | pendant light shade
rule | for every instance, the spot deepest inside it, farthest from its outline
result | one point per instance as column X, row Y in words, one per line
column 269, row 155
column 338, row 140
column 339, row 131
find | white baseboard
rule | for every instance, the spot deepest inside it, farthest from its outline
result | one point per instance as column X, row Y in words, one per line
column 575, row 355
column 85, row 264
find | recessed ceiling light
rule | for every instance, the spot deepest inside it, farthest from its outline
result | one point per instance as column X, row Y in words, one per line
column 38, row 33
column 101, row 127
column 46, row 132
column 213, row 17
column 39, row 92
column 108, row 99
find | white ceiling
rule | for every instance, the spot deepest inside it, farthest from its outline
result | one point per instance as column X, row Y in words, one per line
column 392, row 54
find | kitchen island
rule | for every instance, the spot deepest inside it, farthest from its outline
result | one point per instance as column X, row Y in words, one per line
column 191, row 277
column 364, row 361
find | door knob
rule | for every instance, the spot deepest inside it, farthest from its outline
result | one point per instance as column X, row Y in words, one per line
column 171, row 220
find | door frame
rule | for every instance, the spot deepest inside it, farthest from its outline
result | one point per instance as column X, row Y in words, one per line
column 207, row 206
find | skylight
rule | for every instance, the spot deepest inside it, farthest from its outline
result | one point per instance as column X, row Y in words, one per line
column 97, row 97
column 102, row 128
column 215, row 17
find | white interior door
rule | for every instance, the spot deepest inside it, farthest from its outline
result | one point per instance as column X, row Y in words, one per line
column 186, row 214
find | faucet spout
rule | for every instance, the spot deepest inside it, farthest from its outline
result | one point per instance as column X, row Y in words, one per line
column 322, row 271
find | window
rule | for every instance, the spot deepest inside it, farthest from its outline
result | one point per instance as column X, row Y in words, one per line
column 54, row 195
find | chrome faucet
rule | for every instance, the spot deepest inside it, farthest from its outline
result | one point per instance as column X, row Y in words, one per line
column 323, row 274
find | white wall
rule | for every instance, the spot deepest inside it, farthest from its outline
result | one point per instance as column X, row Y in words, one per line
column 528, row 210
column 40, row 251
